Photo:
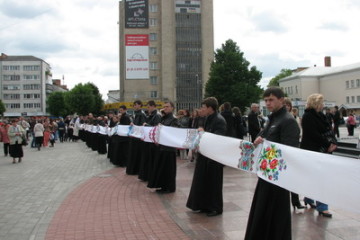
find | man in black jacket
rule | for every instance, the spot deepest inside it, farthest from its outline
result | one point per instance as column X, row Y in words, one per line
column 269, row 216
column 336, row 121
column 206, row 188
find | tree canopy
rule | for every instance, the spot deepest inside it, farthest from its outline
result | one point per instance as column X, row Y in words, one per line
column 2, row 107
column 275, row 80
column 82, row 99
column 232, row 79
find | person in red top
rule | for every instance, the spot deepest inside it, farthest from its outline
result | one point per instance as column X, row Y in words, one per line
column 351, row 123
column 4, row 137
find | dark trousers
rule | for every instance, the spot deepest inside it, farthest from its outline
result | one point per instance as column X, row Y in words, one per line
column 336, row 130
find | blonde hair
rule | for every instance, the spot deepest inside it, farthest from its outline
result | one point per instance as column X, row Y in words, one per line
column 315, row 101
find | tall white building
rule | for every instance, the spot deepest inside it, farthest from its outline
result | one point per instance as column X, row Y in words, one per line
column 23, row 81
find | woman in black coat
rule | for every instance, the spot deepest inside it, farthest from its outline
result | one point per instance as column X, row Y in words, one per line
column 317, row 136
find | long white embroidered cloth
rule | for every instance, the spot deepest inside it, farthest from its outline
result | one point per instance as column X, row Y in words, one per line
column 324, row 177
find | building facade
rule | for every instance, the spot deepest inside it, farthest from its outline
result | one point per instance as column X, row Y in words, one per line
column 166, row 48
column 339, row 85
column 23, row 81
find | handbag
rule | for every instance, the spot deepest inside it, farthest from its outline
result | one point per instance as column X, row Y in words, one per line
column 24, row 141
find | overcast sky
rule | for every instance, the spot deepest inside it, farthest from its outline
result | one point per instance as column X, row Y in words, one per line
column 79, row 38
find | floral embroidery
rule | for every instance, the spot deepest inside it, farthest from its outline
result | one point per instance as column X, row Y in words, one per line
column 191, row 135
column 246, row 161
column 271, row 162
column 154, row 134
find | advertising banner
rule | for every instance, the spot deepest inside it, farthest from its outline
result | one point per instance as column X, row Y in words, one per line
column 137, row 56
column 136, row 14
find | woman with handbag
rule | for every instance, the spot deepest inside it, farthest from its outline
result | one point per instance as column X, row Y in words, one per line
column 16, row 135
column 317, row 136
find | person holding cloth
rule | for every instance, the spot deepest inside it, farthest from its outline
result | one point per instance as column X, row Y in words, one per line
column 270, row 216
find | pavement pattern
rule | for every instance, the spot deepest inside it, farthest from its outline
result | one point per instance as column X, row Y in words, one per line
column 71, row 192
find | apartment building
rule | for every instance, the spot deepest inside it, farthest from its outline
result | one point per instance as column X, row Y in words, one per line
column 23, row 82
column 166, row 48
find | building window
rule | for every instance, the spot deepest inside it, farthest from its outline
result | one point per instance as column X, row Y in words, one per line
column 31, row 77
column 358, row 99
column 353, row 99
column 153, row 80
column 153, row 36
column 347, row 84
column 153, row 50
column 12, row 105
column 153, row 94
column 153, row 22
column 11, row 68
column 31, row 86
column 153, row 8
column 296, row 90
column 357, row 82
column 352, row 83
column 11, row 77
column 11, row 96
column 11, row 87
column 347, row 99
column 31, row 95
column 153, row 65
column 31, row 68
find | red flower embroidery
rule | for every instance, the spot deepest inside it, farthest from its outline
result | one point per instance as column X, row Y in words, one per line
column 263, row 164
column 274, row 163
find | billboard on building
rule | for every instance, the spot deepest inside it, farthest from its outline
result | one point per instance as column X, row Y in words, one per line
column 136, row 14
column 137, row 56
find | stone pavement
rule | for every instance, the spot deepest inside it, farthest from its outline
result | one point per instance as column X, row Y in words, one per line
column 71, row 192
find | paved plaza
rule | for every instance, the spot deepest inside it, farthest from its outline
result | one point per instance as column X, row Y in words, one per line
column 70, row 192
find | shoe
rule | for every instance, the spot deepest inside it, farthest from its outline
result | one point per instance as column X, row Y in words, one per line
column 298, row 206
column 213, row 213
column 325, row 214
column 164, row 191
column 310, row 204
column 19, row 161
column 14, row 162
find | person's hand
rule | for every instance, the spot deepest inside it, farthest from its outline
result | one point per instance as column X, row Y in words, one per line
column 258, row 141
column 200, row 129
column 332, row 147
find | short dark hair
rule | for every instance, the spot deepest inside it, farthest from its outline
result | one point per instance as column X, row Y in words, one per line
column 151, row 103
column 171, row 103
column 138, row 102
column 227, row 106
column 123, row 107
column 336, row 107
column 211, row 102
column 276, row 91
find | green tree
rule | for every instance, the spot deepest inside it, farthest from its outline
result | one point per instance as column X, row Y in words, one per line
column 2, row 108
column 56, row 104
column 231, row 79
column 275, row 80
column 99, row 103
column 80, row 99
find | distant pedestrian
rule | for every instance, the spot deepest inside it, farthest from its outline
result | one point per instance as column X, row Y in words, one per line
column 4, row 137
column 350, row 124
column 336, row 121
column 253, row 121
column 39, row 134
column 16, row 135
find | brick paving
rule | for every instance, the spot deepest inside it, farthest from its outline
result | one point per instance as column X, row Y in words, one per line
column 71, row 192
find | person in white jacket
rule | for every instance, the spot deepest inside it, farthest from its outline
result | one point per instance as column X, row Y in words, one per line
column 39, row 133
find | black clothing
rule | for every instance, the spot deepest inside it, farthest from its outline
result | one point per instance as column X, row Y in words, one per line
column 16, row 150
column 163, row 174
column 269, row 216
column 230, row 123
column 121, row 145
column 149, row 151
column 240, row 127
column 136, row 146
column 317, row 135
column 254, row 125
column 206, row 188
column 337, row 120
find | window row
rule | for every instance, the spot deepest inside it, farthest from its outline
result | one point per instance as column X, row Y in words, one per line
column 25, row 96
column 25, row 68
column 353, row 99
column 25, row 105
column 18, row 77
column 353, row 83
column 25, row 87
column 290, row 90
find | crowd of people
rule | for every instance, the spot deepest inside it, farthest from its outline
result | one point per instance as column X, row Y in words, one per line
column 156, row 164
